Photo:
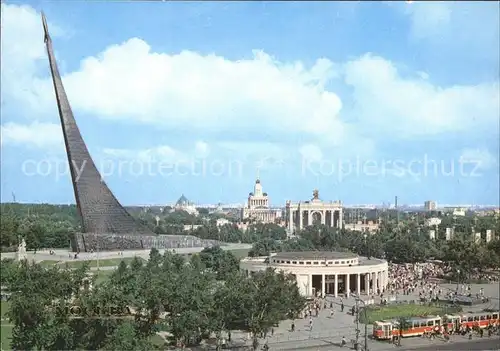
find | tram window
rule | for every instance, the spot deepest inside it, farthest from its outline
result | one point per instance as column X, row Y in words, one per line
column 308, row 262
column 342, row 262
column 336, row 262
column 301, row 262
column 423, row 324
column 294, row 262
column 483, row 318
column 476, row 318
column 488, row 316
column 288, row 262
column 469, row 319
column 430, row 323
column 437, row 322
column 316, row 263
column 495, row 315
column 330, row 262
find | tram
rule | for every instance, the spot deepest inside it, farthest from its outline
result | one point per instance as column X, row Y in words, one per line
column 418, row 326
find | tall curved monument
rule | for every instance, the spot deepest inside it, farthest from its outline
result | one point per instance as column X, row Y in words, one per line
column 106, row 225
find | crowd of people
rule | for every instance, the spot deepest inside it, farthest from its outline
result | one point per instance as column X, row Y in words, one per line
column 424, row 279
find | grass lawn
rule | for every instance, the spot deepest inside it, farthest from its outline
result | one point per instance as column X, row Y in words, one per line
column 6, row 331
column 109, row 262
column 378, row 313
column 6, row 327
column 240, row 253
column 102, row 276
column 48, row 263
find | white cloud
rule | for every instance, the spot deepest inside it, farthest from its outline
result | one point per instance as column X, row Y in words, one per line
column 162, row 153
column 205, row 92
column 36, row 134
column 265, row 98
column 201, row 149
column 481, row 156
column 23, row 55
column 387, row 103
column 311, row 152
column 428, row 18
column 470, row 28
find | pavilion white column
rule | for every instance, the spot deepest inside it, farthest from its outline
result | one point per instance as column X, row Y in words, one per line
column 323, row 219
column 301, row 225
column 309, row 218
column 340, row 219
column 310, row 284
column 367, row 283
column 374, row 283
column 347, row 285
column 332, row 220
column 336, row 286
column 323, row 285
column 358, row 286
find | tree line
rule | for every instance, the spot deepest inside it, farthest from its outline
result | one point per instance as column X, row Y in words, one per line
column 397, row 246
column 204, row 298
column 51, row 226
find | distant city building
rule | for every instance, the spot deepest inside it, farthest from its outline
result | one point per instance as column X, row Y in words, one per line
column 449, row 233
column 432, row 234
column 430, row 205
column 430, row 222
column 456, row 211
column 303, row 214
column 489, row 212
column 222, row 222
column 489, row 235
column 363, row 226
column 183, row 204
column 257, row 208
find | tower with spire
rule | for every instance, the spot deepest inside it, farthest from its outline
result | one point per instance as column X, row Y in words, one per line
column 258, row 208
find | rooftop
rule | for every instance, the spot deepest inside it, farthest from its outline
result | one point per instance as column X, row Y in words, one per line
column 315, row 255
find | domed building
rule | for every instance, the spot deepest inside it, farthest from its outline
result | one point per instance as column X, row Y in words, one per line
column 183, row 204
column 320, row 273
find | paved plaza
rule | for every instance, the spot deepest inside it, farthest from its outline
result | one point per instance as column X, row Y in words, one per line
column 65, row 255
column 327, row 332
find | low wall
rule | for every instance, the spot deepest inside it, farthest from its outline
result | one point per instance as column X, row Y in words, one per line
column 86, row 242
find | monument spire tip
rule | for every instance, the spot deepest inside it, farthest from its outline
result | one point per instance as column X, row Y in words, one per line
column 45, row 27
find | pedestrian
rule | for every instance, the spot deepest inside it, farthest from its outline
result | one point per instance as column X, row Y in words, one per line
column 342, row 307
column 293, row 326
column 332, row 312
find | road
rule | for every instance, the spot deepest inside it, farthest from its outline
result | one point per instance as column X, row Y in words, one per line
column 485, row 344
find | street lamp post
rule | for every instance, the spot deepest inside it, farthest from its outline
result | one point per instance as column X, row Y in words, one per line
column 358, row 300
column 458, row 279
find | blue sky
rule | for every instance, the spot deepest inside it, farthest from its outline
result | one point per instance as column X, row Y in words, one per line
column 363, row 101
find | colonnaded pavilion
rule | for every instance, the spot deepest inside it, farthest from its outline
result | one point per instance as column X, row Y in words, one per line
column 320, row 273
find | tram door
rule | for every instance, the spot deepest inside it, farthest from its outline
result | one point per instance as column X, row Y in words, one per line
column 387, row 329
